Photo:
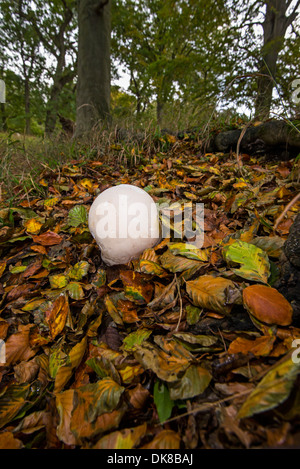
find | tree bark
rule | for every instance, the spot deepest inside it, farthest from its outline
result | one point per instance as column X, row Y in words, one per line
column 27, row 106
column 274, row 28
column 93, row 88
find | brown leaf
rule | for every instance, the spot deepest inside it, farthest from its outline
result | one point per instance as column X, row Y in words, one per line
column 4, row 325
column 8, row 441
column 20, row 290
column 167, row 366
column 261, row 346
column 17, row 346
column 267, row 305
column 26, row 371
column 48, row 239
column 65, row 372
column 127, row 438
column 65, row 405
column 138, row 396
column 166, row 439
column 136, row 288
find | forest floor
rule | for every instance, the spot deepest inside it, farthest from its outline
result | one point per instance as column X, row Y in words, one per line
column 168, row 351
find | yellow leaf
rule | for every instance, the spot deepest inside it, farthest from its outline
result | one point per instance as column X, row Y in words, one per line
column 33, row 226
column 56, row 317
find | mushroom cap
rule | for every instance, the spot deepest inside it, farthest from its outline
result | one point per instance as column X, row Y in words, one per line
column 124, row 222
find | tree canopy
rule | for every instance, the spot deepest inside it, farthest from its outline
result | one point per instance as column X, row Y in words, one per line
column 184, row 60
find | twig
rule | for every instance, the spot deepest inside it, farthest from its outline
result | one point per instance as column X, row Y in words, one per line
column 207, row 406
column 292, row 202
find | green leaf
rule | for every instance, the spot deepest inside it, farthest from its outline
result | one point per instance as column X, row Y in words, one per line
column 273, row 389
column 75, row 291
column 194, row 382
column 254, row 261
column 188, row 250
column 162, row 400
column 103, row 368
column 135, row 338
column 79, row 270
column 192, row 314
column 77, row 216
column 18, row 269
column 58, row 281
column 57, row 359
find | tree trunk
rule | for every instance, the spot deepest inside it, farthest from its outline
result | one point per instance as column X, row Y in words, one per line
column 274, row 28
column 27, row 106
column 159, row 111
column 60, row 80
column 93, row 88
column 3, row 125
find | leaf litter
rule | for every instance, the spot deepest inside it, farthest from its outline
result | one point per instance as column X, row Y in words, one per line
column 182, row 348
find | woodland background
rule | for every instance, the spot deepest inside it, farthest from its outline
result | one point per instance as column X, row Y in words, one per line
column 183, row 62
column 182, row 348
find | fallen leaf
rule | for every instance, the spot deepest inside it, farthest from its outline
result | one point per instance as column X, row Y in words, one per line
column 47, row 239
column 56, row 317
column 273, row 389
column 165, row 440
column 267, row 305
column 127, row 438
column 211, row 293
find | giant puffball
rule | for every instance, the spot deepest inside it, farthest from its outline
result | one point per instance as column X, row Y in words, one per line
column 124, row 222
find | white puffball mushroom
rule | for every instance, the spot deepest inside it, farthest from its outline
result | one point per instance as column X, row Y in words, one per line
column 124, row 222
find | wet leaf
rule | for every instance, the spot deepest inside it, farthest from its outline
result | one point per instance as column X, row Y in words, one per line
column 8, row 441
column 273, row 389
column 260, row 346
column 75, row 291
column 194, row 382
column 179, row 263
column 77, row 216
column 33, row 226
column 136, row 288
column 58, row 281
column 92, row 401
column 12, row 400
column 165, row 440
column 135, row 338
column 64, row 373
column 211, row 293
column 48, row 239
column 166, row 366
column 254, row 261
column 79, row 270
column 267, row 305
column 56, row 317
column 188, row 250
column 127, row 438
column 164, row 404
column 193, row 314
column 112, row 309
column 17, row 346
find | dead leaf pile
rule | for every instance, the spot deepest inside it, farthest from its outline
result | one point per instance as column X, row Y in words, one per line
column 186, row 347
